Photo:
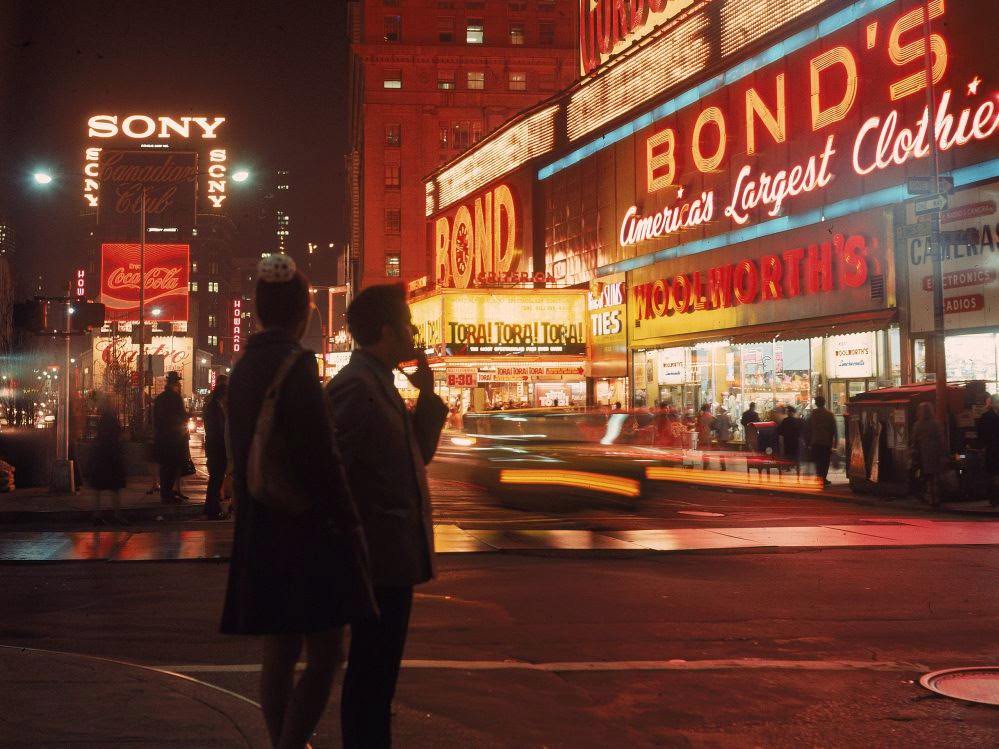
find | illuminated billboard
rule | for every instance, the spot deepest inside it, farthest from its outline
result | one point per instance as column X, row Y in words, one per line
column 609, row 27
column 169, row 179
column 821, row 125
column 167, row 281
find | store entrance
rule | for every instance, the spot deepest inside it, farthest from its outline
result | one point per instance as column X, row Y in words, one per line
column 684, row 397
column 840, row 392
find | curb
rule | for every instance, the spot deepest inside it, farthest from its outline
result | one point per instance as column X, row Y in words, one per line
column 186, row 511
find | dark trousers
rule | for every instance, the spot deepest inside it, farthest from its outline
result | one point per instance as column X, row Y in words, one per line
column 372, row 671
column 820, row 456
column 169, row 473
column 213, row 494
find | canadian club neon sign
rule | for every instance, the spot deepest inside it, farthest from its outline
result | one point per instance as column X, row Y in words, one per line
column 735, row 155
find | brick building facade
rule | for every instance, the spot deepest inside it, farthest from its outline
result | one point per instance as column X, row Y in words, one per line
column 429, row 78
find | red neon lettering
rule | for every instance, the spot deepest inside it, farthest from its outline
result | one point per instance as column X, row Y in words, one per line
column 747, row 282
column 771, row 271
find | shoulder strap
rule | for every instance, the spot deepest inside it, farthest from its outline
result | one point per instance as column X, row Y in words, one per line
column 282, row 373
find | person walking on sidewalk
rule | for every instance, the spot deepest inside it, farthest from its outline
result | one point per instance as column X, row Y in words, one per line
column 929, row 449
column 107, row 468
column 170, row 437
column 749, row 416
column 298, row 571
column 789, row 437
column 385, row 450
column 215, row 455
column 821, row 437
column 988, row 436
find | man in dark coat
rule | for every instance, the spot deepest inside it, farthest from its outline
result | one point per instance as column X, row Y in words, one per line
column 215, row 455
column 988, row 436
column 821, row 437
column 385, row 450
column 170, row 436
column 789, row 432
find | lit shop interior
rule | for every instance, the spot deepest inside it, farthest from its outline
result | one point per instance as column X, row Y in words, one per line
column 770, row 374
column 970, row 356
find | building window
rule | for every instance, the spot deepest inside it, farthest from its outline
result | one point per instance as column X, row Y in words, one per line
column 475, row 4
column 460, row 137
column 476, row 132
column 517, row 6
column 212, row 321
column 546, row 33
column 516, row 33
column 213, row 287
column 392, row 265
column 393, row 220
column 476, row 80
column 194, row 287
column 445, row 29
column 445, row 80
column 194, row 267
column 392, row 175
column 393, row 79
column 393, row 28
column 546, row 82
column 546, row 6
column 446, row 4
column 518, row 81
column 475, row 32
column 391, row 3
column 393, row 135
column 444, row 134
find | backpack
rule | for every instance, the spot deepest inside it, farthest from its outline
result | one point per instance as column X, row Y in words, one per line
column 267, row 476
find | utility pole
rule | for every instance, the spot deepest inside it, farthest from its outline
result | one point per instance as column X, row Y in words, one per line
column 140, row 366
column 939, row 334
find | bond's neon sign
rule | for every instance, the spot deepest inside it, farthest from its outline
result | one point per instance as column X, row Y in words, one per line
column 731, row 162
column 608, row 27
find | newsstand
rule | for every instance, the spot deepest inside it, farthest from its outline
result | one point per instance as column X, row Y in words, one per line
column 878, row 428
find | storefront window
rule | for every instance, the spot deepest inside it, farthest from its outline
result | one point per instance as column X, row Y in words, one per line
column 973, row 357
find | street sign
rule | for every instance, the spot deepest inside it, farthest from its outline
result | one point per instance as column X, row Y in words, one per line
column 924, row 185
column 930, row 204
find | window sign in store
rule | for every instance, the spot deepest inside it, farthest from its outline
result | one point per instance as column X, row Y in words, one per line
column 851, row 356
column 674, row 366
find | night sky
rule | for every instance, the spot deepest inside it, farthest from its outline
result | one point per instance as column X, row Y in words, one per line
column 276, row 69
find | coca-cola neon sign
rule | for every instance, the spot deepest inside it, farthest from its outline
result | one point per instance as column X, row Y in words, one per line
column 166, row 281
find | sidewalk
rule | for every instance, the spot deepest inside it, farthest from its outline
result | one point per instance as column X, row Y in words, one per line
column 60, row 699
column 214, row 543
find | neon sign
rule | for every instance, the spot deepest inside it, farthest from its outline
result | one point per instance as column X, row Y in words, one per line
column 81, row 282
column 821, row 267
column 237, row 325
column 478, row 243
column 142, row 127
column 608, row 27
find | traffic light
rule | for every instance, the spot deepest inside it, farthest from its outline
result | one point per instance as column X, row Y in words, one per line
column 87, row 315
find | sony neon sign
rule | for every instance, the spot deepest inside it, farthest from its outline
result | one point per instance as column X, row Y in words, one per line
column 143, row 127
column 831, row 91
column 840, row 262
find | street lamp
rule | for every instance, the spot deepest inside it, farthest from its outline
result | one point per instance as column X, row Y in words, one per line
column 240, row 175
column 42, row 178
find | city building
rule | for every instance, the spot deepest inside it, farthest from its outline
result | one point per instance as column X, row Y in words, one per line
column 429, row 78
column 752, row 221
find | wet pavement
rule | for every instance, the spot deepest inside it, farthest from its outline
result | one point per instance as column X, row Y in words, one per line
column 214, row 542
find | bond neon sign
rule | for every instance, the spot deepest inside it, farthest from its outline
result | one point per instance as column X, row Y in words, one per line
column 861, row 112
column 608, row 27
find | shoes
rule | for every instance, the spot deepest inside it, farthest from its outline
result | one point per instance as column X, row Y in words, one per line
column 120, row 519
column 98, row 519
column 181, row 497
column 174, row 500
column 216, row 516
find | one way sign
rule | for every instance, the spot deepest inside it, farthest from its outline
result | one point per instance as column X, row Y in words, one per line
column 930, row 204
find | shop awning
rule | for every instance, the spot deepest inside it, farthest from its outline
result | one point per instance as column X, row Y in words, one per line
column 858, row 322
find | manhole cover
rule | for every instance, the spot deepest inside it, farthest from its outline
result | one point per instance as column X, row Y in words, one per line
column 700, row 514
column 974, row 684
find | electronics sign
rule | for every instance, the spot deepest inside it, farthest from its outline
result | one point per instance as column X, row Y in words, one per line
column 167, row 281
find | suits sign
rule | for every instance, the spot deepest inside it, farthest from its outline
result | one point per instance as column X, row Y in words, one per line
column 167, row 281
column 170, row 182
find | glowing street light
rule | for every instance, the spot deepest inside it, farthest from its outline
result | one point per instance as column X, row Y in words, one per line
column 156, row 312
column 42, row 178
column 240, row 175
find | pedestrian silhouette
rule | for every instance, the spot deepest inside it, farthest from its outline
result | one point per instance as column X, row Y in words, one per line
column 385, row 449
column 107, row 465
column 298, row 571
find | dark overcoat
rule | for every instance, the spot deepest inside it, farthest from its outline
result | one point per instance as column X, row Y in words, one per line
column 291, row 574
column 107, row 465
column 170, row 435
column 385, row 450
